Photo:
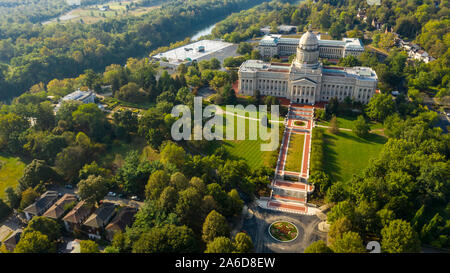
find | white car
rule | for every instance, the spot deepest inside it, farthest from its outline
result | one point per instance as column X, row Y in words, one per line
column 112, row 194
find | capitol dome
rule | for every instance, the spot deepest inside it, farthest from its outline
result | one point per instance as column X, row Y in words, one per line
column 308, row 51
column 308, row 40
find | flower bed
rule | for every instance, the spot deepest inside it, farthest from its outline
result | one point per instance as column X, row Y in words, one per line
column 299, row 123
column 283, row 231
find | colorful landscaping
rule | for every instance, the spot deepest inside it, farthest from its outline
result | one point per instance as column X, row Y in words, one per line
column 283, row 231
column 299, row 123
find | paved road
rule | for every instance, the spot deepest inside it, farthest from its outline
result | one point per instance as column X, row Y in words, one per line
column 257, row 227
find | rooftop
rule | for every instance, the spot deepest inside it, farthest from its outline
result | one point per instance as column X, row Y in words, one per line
column 78, row 95
column 348, row 43
column 42, row 202
column 57, row 210
column 123, row 219
column 78, row 213
column 100, row 217
column 191, row 51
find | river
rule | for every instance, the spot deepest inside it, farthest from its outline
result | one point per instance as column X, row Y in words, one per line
column 205, row 31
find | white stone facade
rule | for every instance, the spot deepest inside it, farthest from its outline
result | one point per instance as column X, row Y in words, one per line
column 274, row 44
column 306, row 80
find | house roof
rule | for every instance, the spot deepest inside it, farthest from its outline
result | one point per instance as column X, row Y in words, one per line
column 13, row 239
column 78, row 213
column 57, row 210
column 42, row 203
column 123, row 219
column 100, row 217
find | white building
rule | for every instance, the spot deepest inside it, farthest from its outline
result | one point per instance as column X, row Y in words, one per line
column 195, row 52
column 274, row 44
column 83, row 96
column 306, row 80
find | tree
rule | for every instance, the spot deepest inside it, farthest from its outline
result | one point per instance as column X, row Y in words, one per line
column 318, row 247
column 243, row 243
column 215, row 225
column 36, row 172
column 188, row 207
column 34, row 242
column 334, row 125
column 88, row 246
column 4, row 209
column 349, row 242
column 244, row 48
column 157, row 182
column 179, row 181
column 11, row 127
column 380, row 106
column 166, row 239
column 134, row 173
column 168, row 199
column 399, row 237
column 92, row 189
column 28, row 197
column 338, row 228
column 236, row 203
column 174, row 154
column 44, row 225
column 220, row 245
column 361, row 128
column 349, row 61
column 12, row 198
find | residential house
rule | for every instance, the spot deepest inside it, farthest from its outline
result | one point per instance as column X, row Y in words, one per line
column 13, row 240
column 43, row 203
column 75, row 218
column 99, row 219
column 123, row 219
column 58, row 209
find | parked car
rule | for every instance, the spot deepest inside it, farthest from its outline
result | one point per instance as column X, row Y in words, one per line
column 68, row 186
column 112, row 194
column 135, row 198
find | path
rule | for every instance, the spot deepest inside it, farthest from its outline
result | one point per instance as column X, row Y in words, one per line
column 290, row 188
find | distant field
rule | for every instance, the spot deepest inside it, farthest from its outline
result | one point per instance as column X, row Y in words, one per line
column 347, row 154
column 295, row 153
column 348, row 121
column 11, row 169
column 93, row 14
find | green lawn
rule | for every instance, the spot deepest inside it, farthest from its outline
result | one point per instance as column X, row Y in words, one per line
column 295, row 153
column 11, row 169
column 249, row 150
column 347, row 154
column 347, row 123
column 253, row 114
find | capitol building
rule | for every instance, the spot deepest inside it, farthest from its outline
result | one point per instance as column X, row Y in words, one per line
column 306, row 80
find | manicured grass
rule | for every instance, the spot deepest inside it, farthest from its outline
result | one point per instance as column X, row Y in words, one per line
column 347, row 122
column 283, row 231
column 295, row 153
column 347, row 154
column 248, row 150
column 252, row 114
column 11, row 169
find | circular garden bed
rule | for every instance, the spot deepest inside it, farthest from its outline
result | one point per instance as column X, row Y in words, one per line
column 283, row 231
column 299, row 123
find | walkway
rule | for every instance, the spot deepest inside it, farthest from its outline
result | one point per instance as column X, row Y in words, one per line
column 291, row 196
